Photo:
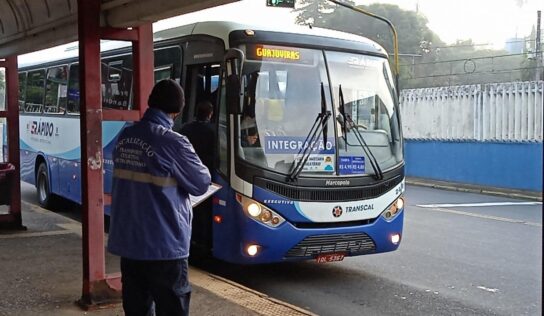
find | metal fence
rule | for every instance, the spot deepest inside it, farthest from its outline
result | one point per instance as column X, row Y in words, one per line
column 509, row 112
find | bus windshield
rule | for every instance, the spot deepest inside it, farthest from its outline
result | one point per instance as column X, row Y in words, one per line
column 283, row 99
column 370, row 112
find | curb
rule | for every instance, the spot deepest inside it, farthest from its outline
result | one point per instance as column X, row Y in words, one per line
column 460, row 187
column 240, row 295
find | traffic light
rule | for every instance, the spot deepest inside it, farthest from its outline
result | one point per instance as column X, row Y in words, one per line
column 281, row 3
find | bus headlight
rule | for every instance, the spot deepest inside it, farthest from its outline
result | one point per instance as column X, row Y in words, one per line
column 254, row 209
column 259, row 212
column 395, row 208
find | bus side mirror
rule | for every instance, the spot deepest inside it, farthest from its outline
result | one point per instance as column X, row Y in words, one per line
column 233, row 94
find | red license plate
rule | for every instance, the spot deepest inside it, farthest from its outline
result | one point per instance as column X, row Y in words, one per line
column 330, row 257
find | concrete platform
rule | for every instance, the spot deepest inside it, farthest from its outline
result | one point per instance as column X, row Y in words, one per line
column 41, row 274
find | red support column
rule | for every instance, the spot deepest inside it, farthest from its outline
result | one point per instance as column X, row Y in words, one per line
column 99, row 288
column 13, row 219
column 95, row 289
column 142, row 50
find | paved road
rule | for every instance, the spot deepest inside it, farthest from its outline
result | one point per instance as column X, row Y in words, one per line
column 455, row 259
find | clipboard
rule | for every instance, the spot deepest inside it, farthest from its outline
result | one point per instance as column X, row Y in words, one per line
column 195, row 200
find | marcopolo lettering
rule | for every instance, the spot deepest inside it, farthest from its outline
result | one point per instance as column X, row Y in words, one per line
column 337, row 182
column 42, row 128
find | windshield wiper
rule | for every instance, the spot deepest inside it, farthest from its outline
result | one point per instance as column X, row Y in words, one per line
column 378, row 174
column 319, row 127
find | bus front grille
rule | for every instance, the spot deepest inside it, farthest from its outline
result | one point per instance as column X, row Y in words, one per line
column 317, row 194
column 351, row 244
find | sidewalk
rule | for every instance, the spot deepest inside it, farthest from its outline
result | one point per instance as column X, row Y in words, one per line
column 463, row 187
column 41, row 274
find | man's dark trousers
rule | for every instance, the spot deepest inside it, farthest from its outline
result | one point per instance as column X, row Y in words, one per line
column 164, row 282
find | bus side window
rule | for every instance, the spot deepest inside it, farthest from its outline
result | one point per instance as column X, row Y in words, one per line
column 56, row 90
column 22, row 91
column 167, row 63
column 73, row 90
column 35, row 91
column 117, row 83
column 162, row 73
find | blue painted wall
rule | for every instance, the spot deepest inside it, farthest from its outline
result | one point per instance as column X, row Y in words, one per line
column 500, row 164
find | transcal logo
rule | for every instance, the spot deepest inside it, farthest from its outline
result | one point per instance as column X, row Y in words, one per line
column 41, row 128
column 337, row 211
column 337, row 182
column 359, row 208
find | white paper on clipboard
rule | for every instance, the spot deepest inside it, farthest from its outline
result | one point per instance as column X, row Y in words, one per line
column 195, row 200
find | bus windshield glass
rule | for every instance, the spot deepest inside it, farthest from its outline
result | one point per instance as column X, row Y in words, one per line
column 367, row 115
column 282, row 101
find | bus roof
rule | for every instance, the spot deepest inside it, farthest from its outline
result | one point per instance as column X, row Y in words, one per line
column 222, row 29
column 219, row 29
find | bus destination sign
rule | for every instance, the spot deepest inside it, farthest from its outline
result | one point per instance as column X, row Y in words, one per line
column 280, row 54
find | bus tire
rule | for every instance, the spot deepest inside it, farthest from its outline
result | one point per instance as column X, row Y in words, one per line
column 43, row 190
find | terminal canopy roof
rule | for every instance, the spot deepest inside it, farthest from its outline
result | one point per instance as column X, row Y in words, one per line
column 30, row 25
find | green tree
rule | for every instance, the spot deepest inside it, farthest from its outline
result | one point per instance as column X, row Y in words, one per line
column 411, row 26
column 425, row 59
column 315, row 12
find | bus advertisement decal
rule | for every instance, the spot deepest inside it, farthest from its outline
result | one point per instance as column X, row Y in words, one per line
column 318, row 163
column 351, row 165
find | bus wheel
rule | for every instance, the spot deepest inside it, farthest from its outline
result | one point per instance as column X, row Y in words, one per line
column 42, row 187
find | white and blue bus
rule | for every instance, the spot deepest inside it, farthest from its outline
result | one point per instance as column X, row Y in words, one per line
column 309, row 148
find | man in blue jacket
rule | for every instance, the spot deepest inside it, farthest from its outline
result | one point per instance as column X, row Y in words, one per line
column 155, row 170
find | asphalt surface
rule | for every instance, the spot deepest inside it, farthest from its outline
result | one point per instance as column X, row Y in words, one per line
column 477, row 260
column 453, row 260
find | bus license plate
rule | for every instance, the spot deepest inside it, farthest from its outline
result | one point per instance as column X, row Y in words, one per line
column 330, row 257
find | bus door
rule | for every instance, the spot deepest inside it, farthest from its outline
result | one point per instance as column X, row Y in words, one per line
column 201, row 84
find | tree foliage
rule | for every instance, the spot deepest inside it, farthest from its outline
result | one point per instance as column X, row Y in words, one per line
column 426, row 60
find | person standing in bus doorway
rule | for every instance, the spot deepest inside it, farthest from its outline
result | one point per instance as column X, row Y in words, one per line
column 201, row 133
column 155, row 170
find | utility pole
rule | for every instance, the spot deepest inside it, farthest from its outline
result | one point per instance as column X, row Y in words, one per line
column 538, row 48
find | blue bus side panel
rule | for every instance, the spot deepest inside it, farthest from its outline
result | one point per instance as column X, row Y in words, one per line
column 225, row 235
column 58, row 140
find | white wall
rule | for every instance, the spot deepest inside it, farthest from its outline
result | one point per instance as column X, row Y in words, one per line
column 490, row 112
